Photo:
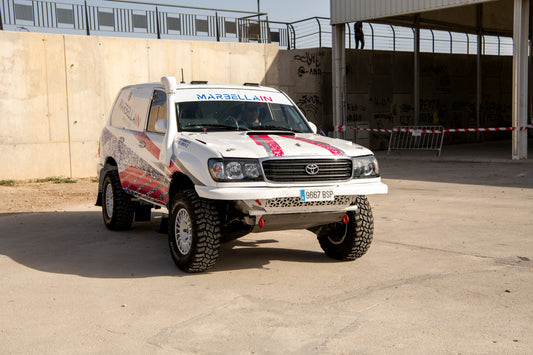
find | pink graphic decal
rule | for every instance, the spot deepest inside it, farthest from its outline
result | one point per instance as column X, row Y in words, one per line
column 270, row 145
column 273, row 145
column 326, row 146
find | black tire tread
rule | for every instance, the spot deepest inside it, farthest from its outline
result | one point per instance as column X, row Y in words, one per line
column 207, row 236
column 124, row 208
column 361, row 232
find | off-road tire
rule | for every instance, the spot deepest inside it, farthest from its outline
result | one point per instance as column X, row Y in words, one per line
column 197, row 246
column 117, row 207
column 349, row 241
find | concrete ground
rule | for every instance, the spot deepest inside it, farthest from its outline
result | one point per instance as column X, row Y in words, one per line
column 450, row 271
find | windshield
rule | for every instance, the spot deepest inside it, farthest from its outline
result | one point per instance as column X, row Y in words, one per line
column 205, row 116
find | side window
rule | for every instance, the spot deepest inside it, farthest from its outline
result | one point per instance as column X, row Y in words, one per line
column 122, row 114
column 158, row 110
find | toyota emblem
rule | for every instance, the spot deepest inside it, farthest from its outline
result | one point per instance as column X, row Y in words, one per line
column 311, row 169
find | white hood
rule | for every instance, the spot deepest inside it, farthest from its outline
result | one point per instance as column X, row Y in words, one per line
column 277, row 144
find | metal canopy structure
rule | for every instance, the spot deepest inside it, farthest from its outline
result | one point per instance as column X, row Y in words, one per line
column 493, row 17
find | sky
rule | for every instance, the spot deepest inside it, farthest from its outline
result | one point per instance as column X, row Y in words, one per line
column 278, row 10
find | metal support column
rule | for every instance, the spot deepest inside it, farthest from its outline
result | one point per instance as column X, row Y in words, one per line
column 87, row 24
column 338, row 76
column 530, row 76
column 520, row 75
column 417, row 69
column 479, row 28
column 1, row 21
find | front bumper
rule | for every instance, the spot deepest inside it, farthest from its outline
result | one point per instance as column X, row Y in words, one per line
column 351, row 188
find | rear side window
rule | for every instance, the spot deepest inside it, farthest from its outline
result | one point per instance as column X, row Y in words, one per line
column 158, row 110
column 130, row 108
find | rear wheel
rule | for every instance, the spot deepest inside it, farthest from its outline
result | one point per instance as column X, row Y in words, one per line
column 193, row 232
column 349, row 241
column 117, row 207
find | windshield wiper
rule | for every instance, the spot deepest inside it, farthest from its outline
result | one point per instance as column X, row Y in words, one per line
column 277, row 128
column 214, row 125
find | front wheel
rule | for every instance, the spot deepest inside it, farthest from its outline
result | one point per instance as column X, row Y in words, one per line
column 349, row 241
column 193, row 232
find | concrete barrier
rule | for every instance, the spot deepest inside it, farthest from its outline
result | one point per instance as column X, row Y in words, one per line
column 56, row 90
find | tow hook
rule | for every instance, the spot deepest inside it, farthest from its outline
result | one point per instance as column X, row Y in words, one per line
column 346, row 219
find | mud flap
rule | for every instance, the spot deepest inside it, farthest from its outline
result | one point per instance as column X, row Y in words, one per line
column 163, row 225
column 143, row 213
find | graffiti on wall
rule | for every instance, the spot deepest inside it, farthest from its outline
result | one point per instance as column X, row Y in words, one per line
column 311, row 106
column 309, row 63
column 355, row 112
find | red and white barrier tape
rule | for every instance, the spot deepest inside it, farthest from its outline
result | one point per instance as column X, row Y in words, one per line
column 342, row 128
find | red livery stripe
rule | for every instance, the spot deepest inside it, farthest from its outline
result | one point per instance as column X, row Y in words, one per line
column 172, row 167
column 129, row 175
column 160, row 191
column 135, row 185
column 150, row 146
column 326, row 146
column 270, row 145
column 149, row 187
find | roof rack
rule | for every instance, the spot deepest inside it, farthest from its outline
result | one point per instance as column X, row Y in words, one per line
column 251, row 84
column 196, row 82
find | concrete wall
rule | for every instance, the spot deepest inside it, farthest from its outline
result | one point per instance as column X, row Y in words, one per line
column 380, row 86
column 56, row 90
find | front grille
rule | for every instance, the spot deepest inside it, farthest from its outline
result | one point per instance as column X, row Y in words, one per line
column 294, row 170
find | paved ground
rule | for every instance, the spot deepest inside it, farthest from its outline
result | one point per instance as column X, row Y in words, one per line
column 450, row 271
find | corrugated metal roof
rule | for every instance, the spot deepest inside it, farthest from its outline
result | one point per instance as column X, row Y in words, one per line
column 343, row 11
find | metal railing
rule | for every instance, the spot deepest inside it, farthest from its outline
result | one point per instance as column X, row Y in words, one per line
column 417, row 138
column 138, row 19
column 141, row 19
column 397, row 38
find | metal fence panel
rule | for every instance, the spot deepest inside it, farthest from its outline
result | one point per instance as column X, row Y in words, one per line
column 417, row 138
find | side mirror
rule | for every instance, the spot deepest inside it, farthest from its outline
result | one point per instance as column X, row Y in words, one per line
column 313, row 126
column 161, row 126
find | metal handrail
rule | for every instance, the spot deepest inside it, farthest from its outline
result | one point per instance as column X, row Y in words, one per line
column 158, row 21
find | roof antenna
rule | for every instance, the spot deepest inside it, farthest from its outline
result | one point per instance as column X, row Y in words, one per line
column 182, row 79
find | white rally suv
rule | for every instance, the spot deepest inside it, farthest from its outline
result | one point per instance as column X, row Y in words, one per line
column 228, row 160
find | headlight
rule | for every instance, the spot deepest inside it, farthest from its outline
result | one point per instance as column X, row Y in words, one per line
column 235, row 169
column 365, row 167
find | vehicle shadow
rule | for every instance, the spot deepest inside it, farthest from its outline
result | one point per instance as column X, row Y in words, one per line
column 253, row 254
column 78, row 243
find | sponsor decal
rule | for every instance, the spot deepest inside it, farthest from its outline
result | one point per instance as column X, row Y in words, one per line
column 182, row 142
column 233, row 97
column 127, row 111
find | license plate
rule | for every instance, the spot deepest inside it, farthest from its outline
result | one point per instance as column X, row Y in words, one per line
column 316, row 195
